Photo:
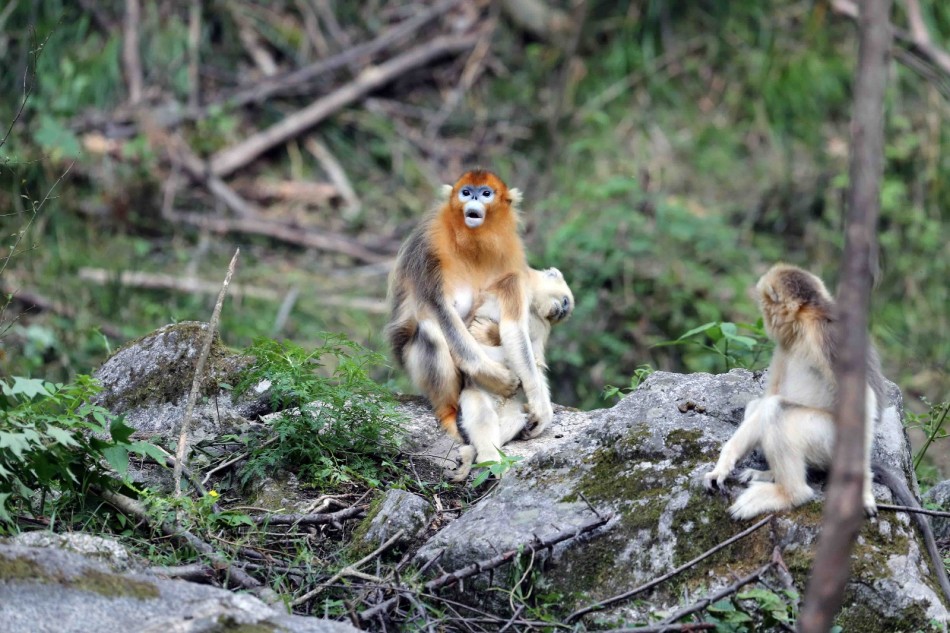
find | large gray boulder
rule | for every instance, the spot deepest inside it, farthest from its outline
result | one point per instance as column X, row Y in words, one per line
column 643, row 461
column 149, row 379
column 48, row 590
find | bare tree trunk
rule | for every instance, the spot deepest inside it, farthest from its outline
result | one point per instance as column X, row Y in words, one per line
column 130, row 50
column 843, row 508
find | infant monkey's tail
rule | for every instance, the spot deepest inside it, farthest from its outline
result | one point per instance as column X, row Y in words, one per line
column 903, row 494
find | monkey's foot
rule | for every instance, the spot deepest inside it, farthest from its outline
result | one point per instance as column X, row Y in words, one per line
column 466, row 458
column 497, row 379
column 870, row 506
column 761, row 497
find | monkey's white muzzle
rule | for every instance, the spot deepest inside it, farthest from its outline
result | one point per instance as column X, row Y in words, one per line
column 474, row 214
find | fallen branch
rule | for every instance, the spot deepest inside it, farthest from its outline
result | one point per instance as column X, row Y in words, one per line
column 231, row 159
column 451, row 578
column 895, row 508
column 667, row 623
column 349, row 570
column 182, row 454
column 309, row 519
column 135, row 509
column 195, row 572
column 159, row 281
column 337, row 175
column 656, row 581
column 332, row 242
column 266, row 88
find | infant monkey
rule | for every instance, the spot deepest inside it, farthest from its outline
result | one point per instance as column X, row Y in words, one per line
column 793, row 423
column 488, row 421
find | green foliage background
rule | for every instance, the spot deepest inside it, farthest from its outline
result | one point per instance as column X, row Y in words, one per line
column 700, row 142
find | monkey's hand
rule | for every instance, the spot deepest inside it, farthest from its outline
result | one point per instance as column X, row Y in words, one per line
column 716, row 478
column 495, row 377
column 870, row 506
column 540, row 413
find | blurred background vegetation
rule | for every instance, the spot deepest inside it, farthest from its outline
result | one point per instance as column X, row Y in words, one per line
column 669, row 152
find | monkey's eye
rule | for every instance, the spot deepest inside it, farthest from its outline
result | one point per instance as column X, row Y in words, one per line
column 465, row 193
column 486, row 193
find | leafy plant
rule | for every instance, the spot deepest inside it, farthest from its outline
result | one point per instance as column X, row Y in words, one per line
column 639, row 375
column 336, row 424
column 932, row 424
column 497, row 469
column 724, row 340
column 756, row 609
column 51, row 443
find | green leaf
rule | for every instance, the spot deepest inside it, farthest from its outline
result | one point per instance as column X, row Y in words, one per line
column 61, row 436
column 16, row 442
column 147, row 449
column 120, row 431
column 697, row 330
column 29, row 387
column 56, row 138
column 481, row 478
column 118, row 458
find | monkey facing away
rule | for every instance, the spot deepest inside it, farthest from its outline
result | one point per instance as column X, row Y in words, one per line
column 793, row 423
column 468, row 244
column 487, row 420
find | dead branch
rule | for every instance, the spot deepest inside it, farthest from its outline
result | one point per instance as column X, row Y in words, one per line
column 349, row 570
column 895, row 508
column 667, row 623
column 656, row 581
column 195, row 572
column 325, row 241
column 263, row 90
column 451, row 578
column 136, row 510
column 181, row 457
column 131, row 60
column 161, row 281
column 669, row 628
column 315, row 193
column 252, row 42
column 843, row 511
column 310, row 519
column 231, row 159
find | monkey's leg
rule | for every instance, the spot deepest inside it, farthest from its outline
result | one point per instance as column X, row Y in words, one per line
column 742, row 442
column 478, row 423
column 466, row 459
column 792, row 438
column 511, row 418
column 431, row 368
column 520, row 355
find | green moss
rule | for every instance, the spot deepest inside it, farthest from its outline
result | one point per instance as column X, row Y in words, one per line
column 358, row 547
column 111, row 585
column 687, row 442
column 855, row 616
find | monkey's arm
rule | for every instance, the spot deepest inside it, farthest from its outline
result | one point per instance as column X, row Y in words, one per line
column 516, row 340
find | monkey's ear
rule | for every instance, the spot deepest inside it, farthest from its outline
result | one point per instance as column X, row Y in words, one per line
column 771, row 293
column 446, row 191
column 514, row 197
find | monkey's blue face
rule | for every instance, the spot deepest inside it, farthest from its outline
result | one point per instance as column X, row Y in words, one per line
column 475, row 200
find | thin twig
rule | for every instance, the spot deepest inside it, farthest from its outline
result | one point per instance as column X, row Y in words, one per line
column 667, row 623
column 656, row 581
column 310, row 519
column 896, row 508
column 234, row 460
column 450, row 578
column 181, row 455
column 348, row 570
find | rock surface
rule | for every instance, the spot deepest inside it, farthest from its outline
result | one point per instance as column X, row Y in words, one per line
column 939, row 496
column 46, row 590
column 149, row 380
column 397, row 510
column 643, row 460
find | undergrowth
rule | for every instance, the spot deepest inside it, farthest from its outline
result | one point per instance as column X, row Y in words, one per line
column 336, row 424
